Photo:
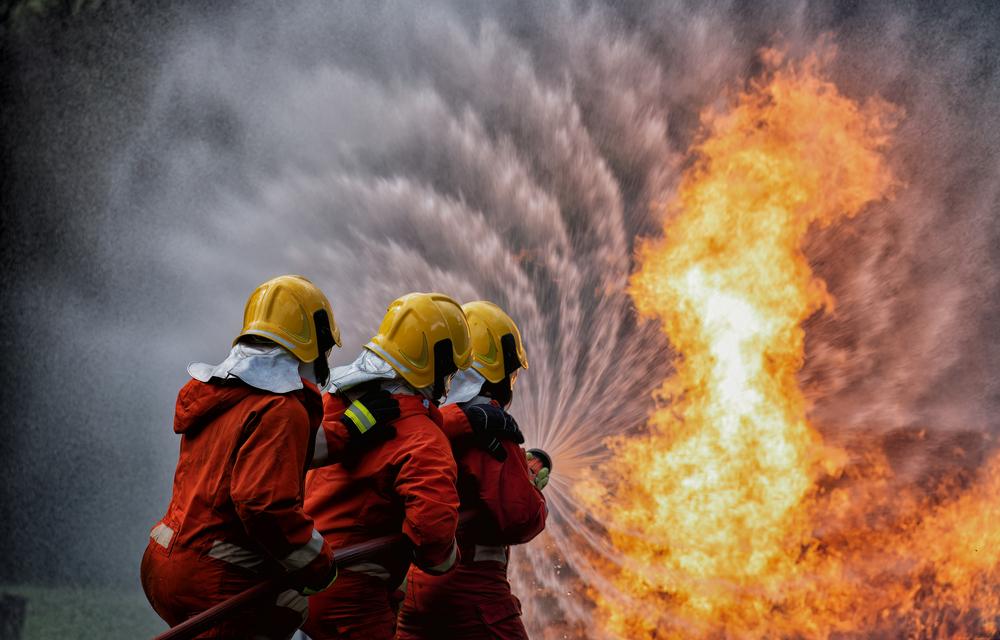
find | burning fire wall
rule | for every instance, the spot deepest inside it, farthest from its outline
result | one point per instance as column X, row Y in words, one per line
column 731, row 515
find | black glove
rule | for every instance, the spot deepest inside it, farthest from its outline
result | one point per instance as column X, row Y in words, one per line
column 367, row 420
column 491, row 425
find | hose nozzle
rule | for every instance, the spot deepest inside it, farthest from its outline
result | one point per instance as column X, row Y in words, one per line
column 540, row 460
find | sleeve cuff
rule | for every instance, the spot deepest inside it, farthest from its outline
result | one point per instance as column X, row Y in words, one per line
column 445, row 565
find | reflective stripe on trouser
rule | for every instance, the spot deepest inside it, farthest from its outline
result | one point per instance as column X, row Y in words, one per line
column 183, row 584
column 486, row 553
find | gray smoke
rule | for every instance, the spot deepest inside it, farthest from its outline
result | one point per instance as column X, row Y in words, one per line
column 508, row 151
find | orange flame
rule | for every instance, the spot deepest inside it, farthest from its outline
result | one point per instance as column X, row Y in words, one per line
column 712, row 514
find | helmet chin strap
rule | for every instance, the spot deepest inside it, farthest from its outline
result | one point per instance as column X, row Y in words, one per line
column 325, row 341
column 502, row 391
column 444, row 368
column 440, row 389
column 321, row 369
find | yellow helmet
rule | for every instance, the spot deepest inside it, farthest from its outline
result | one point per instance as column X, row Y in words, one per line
column 413, row 334
column 497, row 350
column 294, row 313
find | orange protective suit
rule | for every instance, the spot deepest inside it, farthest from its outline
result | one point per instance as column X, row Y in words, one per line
column 405, row 484
column 236, row 516
column 475, row 601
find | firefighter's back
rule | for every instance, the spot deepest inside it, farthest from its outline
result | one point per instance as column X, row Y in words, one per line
column 406, row 484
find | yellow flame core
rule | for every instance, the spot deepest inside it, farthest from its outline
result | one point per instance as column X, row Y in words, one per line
column 710, row 509
column 731, row 287
column 717, row 523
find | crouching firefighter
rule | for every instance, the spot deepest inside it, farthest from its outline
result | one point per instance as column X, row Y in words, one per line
column 248, row 428
column 475, row 601
column 406, row 483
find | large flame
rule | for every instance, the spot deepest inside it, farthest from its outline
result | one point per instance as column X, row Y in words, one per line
column 713, row 514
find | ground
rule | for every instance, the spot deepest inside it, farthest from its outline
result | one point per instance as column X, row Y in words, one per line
column 68, row 613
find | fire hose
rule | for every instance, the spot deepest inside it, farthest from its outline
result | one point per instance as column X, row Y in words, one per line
column 345, row 557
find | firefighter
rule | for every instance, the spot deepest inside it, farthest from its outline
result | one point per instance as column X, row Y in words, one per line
column 248, row 428
column 475, row 601
column 404, row 484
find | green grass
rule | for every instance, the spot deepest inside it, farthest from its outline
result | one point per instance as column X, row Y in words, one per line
column 68, row 613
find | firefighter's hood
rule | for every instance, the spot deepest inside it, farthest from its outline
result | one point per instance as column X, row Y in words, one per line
column 365, row 368
column 465, row 386
column 264, row 367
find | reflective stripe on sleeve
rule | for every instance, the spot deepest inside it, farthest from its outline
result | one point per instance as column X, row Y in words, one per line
column 362, row 418
column 447, row 564
column 234, row 554
column 304, row 554
column 295, row 601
